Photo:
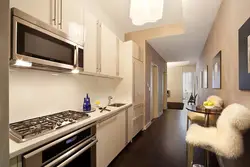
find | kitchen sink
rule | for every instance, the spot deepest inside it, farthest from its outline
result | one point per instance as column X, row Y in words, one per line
column 117, row 105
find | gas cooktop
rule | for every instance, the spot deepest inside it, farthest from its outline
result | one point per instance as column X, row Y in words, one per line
column 32, row 128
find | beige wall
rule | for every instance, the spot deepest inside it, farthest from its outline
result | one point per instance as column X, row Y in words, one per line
column 175, row 83
column 151, row 56
column 4, row 82
column 224, row 37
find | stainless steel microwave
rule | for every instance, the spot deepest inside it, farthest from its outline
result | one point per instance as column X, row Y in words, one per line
column 41, row 44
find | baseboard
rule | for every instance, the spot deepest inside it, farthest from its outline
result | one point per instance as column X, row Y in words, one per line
column 147, row 126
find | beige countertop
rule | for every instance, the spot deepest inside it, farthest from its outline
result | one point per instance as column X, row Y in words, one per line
column 20, row 148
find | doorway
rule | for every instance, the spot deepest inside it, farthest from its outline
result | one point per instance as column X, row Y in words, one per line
column 154, row 95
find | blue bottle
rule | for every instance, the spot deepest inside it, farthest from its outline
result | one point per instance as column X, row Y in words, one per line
column 84, row 104
column 87, row 104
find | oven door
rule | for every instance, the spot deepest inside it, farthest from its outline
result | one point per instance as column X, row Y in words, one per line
column 35, row 43
column 83, row 155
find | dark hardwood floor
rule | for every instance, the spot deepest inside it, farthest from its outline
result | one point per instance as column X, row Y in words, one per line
column 161, row 145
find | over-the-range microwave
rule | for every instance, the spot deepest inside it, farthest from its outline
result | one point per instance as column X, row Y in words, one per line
column 44, row 46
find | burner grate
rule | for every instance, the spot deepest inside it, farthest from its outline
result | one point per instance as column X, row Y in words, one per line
column 27, row 129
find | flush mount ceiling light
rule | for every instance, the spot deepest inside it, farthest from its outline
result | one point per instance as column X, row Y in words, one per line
column 146, row 11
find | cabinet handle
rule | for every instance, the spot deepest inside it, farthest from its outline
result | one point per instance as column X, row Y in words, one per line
column 60, row 23
column 54, row 13
column 134, row 81
column 100, row 47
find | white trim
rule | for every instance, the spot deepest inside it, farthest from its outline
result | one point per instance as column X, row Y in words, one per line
column 147, row 126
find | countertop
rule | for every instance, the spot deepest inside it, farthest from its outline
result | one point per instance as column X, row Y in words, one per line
column 20, row 148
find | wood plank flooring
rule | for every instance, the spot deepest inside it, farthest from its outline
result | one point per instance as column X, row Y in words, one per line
column 161, row 145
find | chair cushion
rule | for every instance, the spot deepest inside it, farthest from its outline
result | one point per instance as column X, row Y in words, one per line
column 200, row 118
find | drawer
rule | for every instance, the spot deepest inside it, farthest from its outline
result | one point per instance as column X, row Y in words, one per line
column 137, row 124
column 138, row 110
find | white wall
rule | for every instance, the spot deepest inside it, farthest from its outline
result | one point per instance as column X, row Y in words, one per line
column 37, row 93
column 4, row 83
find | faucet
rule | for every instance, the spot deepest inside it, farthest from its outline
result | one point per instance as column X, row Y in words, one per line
column 110, row 98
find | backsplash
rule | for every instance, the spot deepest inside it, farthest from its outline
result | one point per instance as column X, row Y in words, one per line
column 37, row 93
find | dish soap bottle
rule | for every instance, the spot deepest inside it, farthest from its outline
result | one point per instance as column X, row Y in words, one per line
column 88, row 103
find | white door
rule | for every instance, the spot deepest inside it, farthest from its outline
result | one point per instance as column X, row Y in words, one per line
column 72, row 19
column 91, row 43
column 108, row 51
column 45, row 10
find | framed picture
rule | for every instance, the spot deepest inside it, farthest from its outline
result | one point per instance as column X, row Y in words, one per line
column 205, row 77
column 201, row 79
column 216, row 73
column 244, row 56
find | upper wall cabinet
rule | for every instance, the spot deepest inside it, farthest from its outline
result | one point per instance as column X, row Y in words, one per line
column 108, row 51
column 65, row 15
column 91, row 43
column 71, row 19
column 41, row 9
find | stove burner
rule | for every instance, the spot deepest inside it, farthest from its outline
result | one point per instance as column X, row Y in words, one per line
column 28, row 129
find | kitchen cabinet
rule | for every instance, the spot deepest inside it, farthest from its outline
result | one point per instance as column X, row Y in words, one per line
column 137, row 53
column 101, row 51
column 138, row 81
column 111, row 135
column 71, row 19
column 130, row 115
column 67, row 16
column 43, row 10
column 138, row 119
column 91, row 43
column 108, row 57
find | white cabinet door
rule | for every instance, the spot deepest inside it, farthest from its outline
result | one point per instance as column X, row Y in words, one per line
column 71, row 19
column 138, row 81
column 111, row 135
column 108, row 51
column 91, row 43
column 130, row 115
column 45, row 10
column 120, row 132
column 138, row 119
column 106, row 142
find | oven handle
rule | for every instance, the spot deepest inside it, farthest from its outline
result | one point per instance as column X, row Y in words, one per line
column 72, row 151
column 31, row 154
column 77, row 154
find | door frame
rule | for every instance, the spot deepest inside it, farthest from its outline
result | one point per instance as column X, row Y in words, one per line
column 4, row 82
column 154, row 93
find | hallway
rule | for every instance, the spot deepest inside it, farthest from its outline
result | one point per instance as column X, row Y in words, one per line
column 161, row 145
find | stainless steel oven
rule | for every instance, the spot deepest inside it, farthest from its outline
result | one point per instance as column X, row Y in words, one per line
column 41, row 44
column 77, row 149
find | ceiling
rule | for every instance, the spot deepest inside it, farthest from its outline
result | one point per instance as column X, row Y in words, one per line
column 198, row 16
column 118, row 11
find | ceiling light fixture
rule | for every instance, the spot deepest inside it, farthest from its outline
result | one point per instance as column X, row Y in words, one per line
column 22, row 63
column 146, row 11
